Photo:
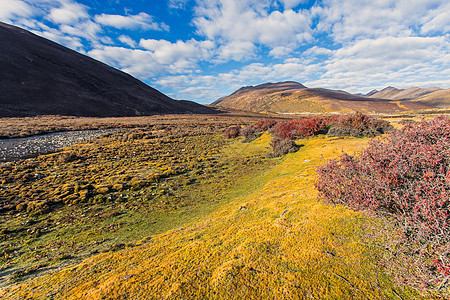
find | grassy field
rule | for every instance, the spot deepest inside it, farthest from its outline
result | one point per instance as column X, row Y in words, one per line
column 232, row 225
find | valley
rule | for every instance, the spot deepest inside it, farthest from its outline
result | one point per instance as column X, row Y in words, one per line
column 177, row 210
column 111, row 189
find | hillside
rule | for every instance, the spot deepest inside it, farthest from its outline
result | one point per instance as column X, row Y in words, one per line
column 392, row 93
column 40, row 77
column 251, row 92
column 439, row 99
column 292, row 97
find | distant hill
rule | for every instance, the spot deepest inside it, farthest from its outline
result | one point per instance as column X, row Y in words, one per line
column 40, row 77
column 438, row 99
column 293, row 97
column 250, row 93
column 393, row 93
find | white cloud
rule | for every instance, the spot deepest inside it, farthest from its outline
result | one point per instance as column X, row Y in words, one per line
column 227, row 82
column 280, row 51
column 177, row 4
column 87, row 29
column 347, row 19
column 316, row 51
column 139, row 21
column 387, row 61
column 159, row 57
column 236, row 50
column 128, row 41
column 14, row 8
column 168, row 53
column 228, row 21
column 68, row 13
column 57, row 36
column 437, row 20
column 292, row 3
column 139, row 63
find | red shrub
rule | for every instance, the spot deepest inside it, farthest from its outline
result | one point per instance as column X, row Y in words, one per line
column 283, row 130
column 302, row 128
column 406, row 174
column 232, row 132
column 264, row 125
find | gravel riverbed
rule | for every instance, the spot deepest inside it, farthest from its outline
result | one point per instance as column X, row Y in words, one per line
column 18, row 148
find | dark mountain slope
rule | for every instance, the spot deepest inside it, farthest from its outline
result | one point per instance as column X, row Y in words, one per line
column 40, row 77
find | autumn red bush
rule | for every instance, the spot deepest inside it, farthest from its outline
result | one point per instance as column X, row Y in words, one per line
column 405, row 175
column 232, row 132
column 357, row 125
column 302, row 128
column 283, row 130
column 264, row 125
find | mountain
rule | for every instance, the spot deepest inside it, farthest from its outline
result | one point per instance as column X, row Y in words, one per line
column 40, row 77
column 371, row 93
column 253, row 92
column 293, row 97
column 401, row 94
column 438, row 99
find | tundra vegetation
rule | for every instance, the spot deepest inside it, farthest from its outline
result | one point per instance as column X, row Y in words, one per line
column 404, row 177
column 196, row 211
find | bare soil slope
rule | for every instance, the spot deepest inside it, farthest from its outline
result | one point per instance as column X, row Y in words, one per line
column 40, row 77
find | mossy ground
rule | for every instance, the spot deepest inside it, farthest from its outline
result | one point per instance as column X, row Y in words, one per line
column 105, row 195
column 257, row 236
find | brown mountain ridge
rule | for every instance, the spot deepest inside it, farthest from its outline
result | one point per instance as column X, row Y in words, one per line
column 40, row 77
column 293, row 97
column 393, row 93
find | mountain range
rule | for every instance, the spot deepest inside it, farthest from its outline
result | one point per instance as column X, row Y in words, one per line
column 393, row 93
column 40, row 77
column 293, row 97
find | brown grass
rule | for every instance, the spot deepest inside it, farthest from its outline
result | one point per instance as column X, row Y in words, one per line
column 22, row 127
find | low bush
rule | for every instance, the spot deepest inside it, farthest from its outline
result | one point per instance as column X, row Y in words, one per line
column 249, row 133
column 359, row 125
column 283, row 130
column 405, row 175
column 232, row 132
column 264, row 125
column 282, row 147
column 301, row 128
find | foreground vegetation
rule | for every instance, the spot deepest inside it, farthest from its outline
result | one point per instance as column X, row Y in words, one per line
column 168, row 211
column 405, row 176
column 103, row 195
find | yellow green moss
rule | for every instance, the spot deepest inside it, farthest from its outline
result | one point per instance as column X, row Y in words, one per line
column 272, row 240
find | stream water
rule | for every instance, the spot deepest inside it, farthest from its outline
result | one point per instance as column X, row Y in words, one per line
column 18, row 148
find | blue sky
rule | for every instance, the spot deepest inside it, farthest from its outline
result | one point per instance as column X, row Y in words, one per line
column 203, row 49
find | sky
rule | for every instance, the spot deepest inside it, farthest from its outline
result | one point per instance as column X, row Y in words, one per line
column 201, row 50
